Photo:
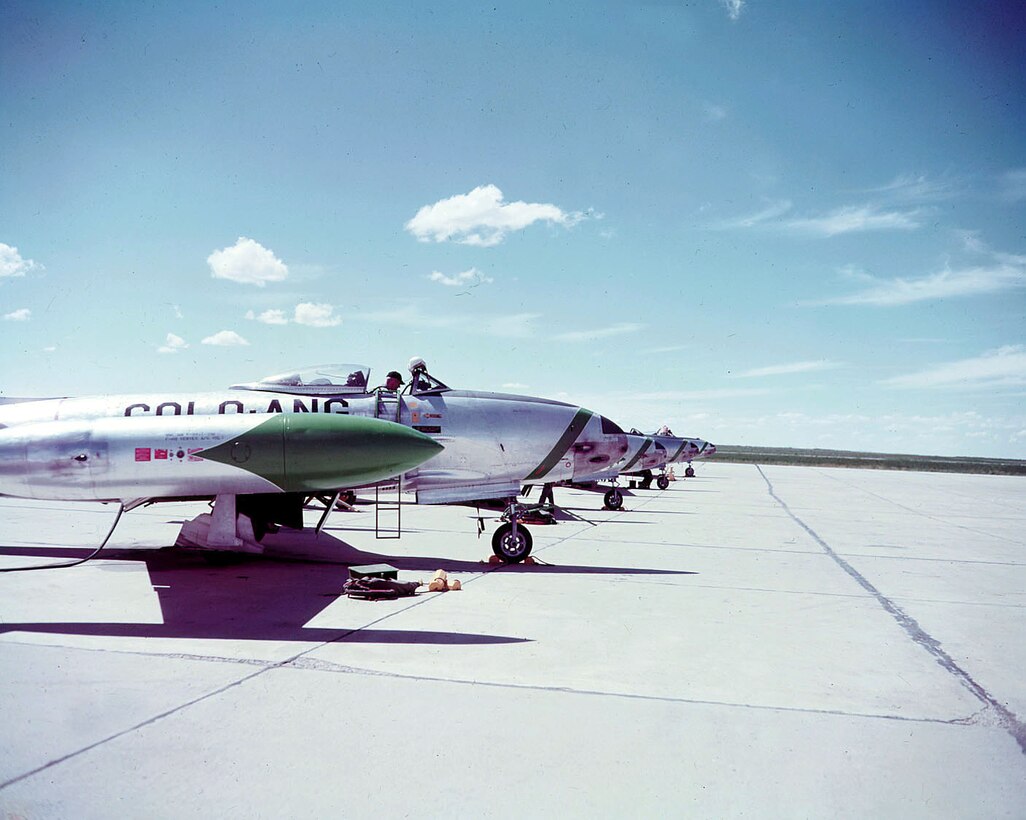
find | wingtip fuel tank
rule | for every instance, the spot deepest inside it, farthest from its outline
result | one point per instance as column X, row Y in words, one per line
column 166, row 456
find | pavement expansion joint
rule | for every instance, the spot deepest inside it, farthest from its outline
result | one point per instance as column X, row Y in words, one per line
column 318, row 665
column 1007, row 719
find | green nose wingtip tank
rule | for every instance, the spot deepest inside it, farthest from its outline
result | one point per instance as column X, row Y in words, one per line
column 302, row 452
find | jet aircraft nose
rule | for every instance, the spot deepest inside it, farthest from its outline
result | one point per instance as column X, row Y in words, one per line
column 601, row 444
column 616, row 439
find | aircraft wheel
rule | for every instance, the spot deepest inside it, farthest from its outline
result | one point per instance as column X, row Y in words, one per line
column 690, row 472
column 662, row 482
column 512, row 550
column 346, row 497
column 614, row 499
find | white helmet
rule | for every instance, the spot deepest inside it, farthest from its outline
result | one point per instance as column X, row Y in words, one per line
column 418, row 365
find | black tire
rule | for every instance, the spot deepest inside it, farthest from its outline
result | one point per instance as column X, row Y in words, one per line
column 690, row 472
column 662, row 482
column 346, row 497
column 512, row 550
column 614, row 499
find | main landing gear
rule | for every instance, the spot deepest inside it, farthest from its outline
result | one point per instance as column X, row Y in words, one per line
column 662, row 482
column 689, row 472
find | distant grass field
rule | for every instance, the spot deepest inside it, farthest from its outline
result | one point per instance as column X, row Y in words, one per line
column 878, row 461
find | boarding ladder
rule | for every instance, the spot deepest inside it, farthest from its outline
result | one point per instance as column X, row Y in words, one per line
column 388, row 510
column 388, row 498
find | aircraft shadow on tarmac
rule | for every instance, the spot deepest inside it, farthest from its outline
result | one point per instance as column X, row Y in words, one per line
column 269, row 600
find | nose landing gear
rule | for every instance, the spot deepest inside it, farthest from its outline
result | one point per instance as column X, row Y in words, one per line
column 614, row 499
column 512, row 541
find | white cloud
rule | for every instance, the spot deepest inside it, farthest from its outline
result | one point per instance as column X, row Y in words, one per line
column 917, row 188
column 515, row 386
column 942, row 285
column 733, row 7
column 305, row 313
column 855, row 273
column 849, row 219
column 767, row 214
column 482, row 218
column 714, row 113
column 852, row 219
column 269, row 317
column 225, row 338
column 173, row 344
column 177, row 311
column 247, row 262
column 19, row 315
column 467, row 278
column 667, row 349
column 1013, row 185
column 598, row 333
column 316, row 315
column 12, row 264
column 1005, row 366
column 786, row 369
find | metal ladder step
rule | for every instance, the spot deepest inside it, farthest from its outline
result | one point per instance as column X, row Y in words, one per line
column 388, row 511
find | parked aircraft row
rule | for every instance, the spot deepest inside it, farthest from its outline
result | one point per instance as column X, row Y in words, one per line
column 261, row 449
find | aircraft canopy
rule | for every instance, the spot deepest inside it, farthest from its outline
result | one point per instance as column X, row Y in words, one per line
column 329, row 379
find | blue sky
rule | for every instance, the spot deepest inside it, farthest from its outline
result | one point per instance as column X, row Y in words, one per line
column 791, row 224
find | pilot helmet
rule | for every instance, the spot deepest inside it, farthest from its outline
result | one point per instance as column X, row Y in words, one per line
column 394, row 374
column 417, row 364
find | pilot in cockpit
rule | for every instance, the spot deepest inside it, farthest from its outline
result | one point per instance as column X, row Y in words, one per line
column 356, row 379
column 393, row 381
column 419, row 379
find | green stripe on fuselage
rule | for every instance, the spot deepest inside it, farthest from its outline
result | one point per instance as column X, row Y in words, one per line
column 641, row 451
column 573, row 430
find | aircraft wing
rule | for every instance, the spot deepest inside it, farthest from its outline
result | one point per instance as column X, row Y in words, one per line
column 468, row 492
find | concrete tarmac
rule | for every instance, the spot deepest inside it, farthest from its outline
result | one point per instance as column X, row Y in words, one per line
column 768, row 642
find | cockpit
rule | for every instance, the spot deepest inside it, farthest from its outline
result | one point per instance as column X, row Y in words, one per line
column 324, row 379
column 340, row 379
column 423, row 383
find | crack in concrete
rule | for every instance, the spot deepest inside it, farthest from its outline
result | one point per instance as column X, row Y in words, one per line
column 317, row 665
column 1006, row 719
column 343, row 634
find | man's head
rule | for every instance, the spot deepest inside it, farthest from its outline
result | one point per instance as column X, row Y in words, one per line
column 393, row 380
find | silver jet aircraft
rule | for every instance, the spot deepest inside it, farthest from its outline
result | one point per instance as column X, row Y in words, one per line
column 685, row 450
column 257, row 468
column 493, row 442
column 646, row 453
column 643, row 453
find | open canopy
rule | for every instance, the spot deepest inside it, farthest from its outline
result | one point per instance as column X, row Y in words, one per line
column 322, row 378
